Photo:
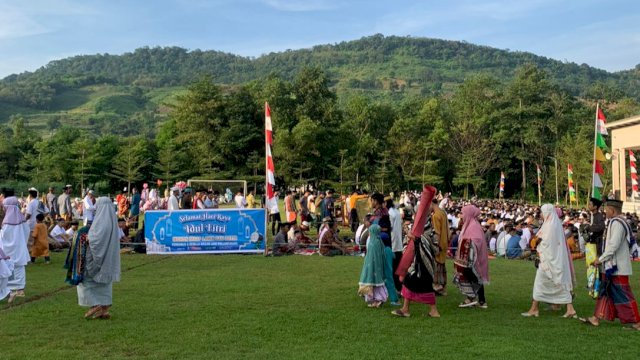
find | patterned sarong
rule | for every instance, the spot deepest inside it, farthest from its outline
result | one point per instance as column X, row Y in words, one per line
column 440, row 277
column 593, row 274
column 616, row 301
column 76, row 257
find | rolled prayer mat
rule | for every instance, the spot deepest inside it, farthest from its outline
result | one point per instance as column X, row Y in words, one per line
column 428, row 192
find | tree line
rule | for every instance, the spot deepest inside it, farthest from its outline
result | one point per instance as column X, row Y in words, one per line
column 459, row 142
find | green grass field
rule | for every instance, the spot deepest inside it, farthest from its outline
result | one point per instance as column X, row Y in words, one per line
column 230, row 307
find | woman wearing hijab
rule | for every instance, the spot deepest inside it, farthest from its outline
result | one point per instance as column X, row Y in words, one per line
column 102, row 262
column 372, row 278
column 417, row 267
column 14, row 236
column 472, row 260
column 553, row 283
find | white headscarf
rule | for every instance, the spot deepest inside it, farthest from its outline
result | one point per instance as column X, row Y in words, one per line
column 103, row 257
column 554, row 257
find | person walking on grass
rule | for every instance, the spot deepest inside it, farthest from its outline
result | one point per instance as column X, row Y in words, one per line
column 472, row 260
column 99, row 252
column 40, row 246
column 417, row 267
column 616, row 299
column 441, row 227
column 290, row 207
column 554, row 278
column 372, row 277
column 13, row 238
column 52, row 202
column 274, row 213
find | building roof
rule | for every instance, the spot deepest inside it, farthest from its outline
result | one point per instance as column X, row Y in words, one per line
column 624, row 122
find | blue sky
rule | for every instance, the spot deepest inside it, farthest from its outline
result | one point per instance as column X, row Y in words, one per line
column 604, row 34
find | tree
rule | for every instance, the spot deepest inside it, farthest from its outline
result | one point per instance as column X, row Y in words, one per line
column 525, row 121
column 470, row 145
column 199, row 118
column 128, row 164
column 417, row 140
column 577, row 149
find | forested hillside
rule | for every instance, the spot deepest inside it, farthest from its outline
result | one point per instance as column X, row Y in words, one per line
column 387, row 68
column 378, row 113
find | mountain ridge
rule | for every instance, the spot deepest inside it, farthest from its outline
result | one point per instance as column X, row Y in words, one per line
column 380, row 67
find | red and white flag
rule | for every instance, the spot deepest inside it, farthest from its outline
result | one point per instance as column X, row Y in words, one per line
column 270, row 169
column 634, row 174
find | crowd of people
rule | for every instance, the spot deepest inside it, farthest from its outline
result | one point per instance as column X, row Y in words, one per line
column 405, row 243
column 91, row 229
column 93, row 259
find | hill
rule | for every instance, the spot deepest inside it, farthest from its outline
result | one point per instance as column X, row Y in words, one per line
column 93, row 90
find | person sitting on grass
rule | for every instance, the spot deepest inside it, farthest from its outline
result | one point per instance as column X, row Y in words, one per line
column 297, row 235
column 72, row 229
column 40, row 246
column 58, row 238
column 330, row 245
column 513, row 245
column 123, row 231
column 362, row 234
column 280, row 244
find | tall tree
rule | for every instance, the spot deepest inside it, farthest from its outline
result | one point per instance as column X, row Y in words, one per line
column 471, row 147
column 128, row 164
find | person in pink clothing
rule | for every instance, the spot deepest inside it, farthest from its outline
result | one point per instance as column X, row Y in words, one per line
column 472, row 260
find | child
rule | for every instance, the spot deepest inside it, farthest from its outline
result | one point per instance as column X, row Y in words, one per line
column 40, row 244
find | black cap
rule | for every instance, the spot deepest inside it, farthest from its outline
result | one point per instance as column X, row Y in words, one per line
column 595, row 201
column 615, row 204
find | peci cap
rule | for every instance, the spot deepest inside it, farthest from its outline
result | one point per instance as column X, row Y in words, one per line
column 595, row 201
column 617, row 204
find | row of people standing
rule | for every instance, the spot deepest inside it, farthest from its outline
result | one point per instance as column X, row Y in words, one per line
column 420, row 272
column 93, row 261
column 555, row 278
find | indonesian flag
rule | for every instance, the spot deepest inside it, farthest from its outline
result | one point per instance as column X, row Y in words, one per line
column 600, row 147
column 270, row 171
column 634, row 174
column 602, row 123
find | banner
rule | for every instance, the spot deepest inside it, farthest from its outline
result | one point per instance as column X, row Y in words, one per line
column 215, row 231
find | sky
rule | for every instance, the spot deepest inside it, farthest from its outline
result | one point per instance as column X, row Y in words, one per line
column 604, row 34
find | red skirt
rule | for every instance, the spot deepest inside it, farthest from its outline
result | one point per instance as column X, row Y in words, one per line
column 425, row 298
column 617, row 301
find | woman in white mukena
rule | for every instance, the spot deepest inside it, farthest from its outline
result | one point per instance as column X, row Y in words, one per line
column 554, row 279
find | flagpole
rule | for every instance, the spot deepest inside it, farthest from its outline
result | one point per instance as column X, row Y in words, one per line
column 539, row 181
column 266, row 179
column 266, row 159
column 593, row 165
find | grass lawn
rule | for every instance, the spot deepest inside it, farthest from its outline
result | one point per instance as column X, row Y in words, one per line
column 291, row 307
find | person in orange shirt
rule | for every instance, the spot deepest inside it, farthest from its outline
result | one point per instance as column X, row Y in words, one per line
column 41, row 244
